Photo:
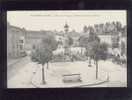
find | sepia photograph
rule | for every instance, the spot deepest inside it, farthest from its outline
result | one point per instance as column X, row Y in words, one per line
column 66, row 49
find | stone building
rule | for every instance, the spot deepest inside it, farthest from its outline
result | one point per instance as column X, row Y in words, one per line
column 15, row 41
column 32, row 38
column 20, row 40
column 106, row 38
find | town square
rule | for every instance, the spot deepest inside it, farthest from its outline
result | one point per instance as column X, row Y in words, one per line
column 66, row 49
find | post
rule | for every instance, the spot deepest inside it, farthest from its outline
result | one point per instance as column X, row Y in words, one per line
column 43, row 76
column 96, row 69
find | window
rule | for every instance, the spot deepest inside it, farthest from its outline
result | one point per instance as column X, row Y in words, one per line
column 21, row 47
column 21, row 41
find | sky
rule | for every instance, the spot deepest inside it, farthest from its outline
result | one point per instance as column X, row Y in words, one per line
column 55, row 20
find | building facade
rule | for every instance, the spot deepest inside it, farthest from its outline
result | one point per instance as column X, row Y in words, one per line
column 15, row 41
column 32, row 38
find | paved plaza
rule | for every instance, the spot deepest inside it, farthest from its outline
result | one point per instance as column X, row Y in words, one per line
column 30, row 75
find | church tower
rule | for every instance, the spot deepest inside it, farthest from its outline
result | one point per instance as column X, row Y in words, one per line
column 66, row 28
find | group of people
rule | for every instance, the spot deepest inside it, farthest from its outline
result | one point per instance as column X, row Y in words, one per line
column 118, row 57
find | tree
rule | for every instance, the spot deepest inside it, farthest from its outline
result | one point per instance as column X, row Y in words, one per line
column 49, row 42
column 43, row 52
column 94, row 49
column 33, row 47
column 88, row 41
column 123, row 48
column 99, row 53
column 83, row 40
column 115, row 40
column 118, row 26
column 108, row 27
column 70, row 41
column 92, row 40
column 85, row 29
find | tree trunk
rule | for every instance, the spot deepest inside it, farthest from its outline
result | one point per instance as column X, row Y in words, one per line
column 96, row 69
column 81, row 50
column 43, row 76
column 47, row 65
column 89, row 62
column 70, row 53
